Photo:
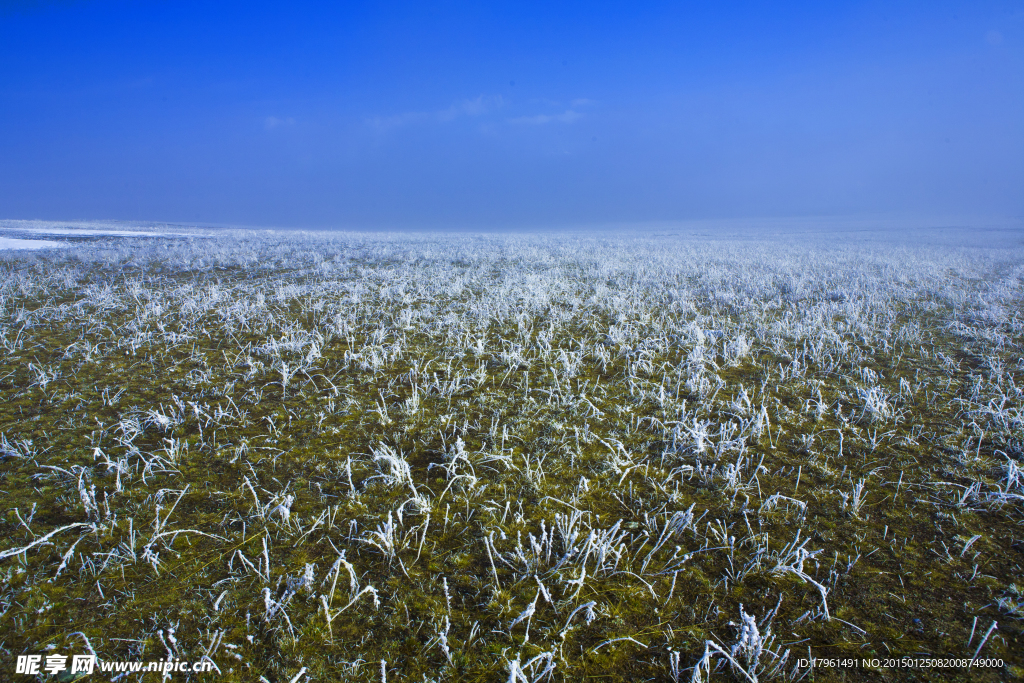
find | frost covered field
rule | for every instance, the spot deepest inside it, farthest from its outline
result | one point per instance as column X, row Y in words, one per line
column 509, row 458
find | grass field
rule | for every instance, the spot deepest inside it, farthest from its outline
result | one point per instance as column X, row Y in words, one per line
column 363, row 457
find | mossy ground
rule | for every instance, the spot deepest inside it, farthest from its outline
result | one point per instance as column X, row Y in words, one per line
column 242, row 424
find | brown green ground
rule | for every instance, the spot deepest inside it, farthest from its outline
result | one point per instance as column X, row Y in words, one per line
column 556, row 418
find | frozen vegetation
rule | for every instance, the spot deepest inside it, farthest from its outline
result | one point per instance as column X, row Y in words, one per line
column 508, row 458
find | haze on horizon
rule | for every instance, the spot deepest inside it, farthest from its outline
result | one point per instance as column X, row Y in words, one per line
column 382, row 115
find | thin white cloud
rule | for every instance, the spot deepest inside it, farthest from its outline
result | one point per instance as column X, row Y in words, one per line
column 477, row 106
column 568, row 116
column 398, row 120
column 272, row 122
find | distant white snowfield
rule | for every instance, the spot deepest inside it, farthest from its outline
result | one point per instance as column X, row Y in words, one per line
column 75, row 229
column 13, row 243
column 100, row 232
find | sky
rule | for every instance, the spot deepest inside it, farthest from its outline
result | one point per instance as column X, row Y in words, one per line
column 509, row 114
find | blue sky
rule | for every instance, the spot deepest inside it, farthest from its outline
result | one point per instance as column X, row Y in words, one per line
column 517, row 114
